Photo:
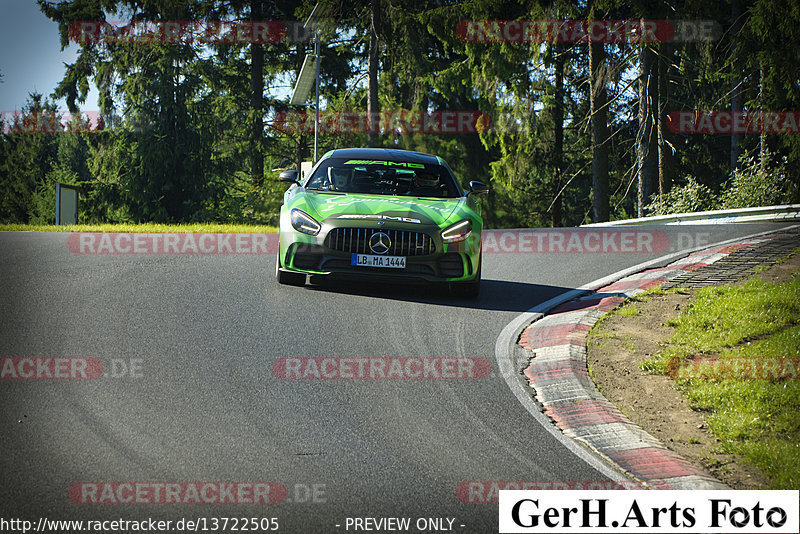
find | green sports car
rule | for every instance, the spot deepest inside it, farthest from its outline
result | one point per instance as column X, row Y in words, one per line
column 381, row 214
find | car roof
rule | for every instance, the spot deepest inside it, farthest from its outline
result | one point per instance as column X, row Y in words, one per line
column 380, row 154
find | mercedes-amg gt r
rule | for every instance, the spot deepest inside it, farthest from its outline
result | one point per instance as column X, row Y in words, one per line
column 381, row 214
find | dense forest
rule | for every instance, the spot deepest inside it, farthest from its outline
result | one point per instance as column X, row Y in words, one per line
column 572, row 111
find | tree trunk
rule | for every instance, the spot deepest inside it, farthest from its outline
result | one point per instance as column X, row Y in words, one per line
column 646, row 151
column 736, row 80
column 256, row 101
column 762, row 138
column 598, row 100
column 558, row 143
column 372, row 74
column 665, row 160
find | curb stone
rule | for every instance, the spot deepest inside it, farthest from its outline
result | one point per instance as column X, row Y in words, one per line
column 558, row 374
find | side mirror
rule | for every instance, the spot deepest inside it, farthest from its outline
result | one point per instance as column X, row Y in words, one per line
column 289, row 177
column 478, row 188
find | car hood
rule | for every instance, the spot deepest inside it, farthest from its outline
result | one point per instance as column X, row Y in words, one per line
column 338, row 207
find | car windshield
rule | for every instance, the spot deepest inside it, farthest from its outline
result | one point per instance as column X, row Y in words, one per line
column 383, row 178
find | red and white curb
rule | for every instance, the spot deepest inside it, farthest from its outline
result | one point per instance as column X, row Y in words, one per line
column 558, row 374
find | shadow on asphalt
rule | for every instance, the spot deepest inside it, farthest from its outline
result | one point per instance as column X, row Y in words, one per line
column 495, row 295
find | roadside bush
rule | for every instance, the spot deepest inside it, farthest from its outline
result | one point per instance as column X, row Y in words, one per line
column 691, row 197
column 759, row 182
column 42, row 209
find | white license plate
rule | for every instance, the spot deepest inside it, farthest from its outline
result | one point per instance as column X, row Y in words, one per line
column 388, row 262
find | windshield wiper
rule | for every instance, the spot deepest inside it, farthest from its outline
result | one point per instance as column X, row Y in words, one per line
column 328, row 191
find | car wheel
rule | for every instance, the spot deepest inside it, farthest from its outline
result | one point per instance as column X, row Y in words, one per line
column 287, row 278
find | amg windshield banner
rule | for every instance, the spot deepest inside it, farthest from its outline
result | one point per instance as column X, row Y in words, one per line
column 650, row 511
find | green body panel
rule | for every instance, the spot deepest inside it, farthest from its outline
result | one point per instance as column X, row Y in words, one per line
column 322, row 206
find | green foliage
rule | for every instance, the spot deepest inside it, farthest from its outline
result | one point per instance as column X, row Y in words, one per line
column 181, row 136
column 757, row 182
column 691, row 197
column 28, row 155
column 42, row 208
column 142, row 228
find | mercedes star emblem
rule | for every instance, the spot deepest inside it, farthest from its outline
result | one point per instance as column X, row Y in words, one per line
column 379, row 243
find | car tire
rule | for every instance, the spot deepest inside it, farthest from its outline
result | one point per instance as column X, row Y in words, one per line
column 287, row 278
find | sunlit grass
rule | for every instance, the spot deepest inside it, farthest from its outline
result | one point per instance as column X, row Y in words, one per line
column 143, row 228
column 757, row 418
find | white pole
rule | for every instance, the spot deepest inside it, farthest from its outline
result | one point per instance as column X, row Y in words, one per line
column 316, row 106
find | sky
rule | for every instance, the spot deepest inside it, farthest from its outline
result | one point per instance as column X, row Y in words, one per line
column 31, row 59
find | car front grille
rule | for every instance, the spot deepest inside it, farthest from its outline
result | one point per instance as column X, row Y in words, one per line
column 306, row 257
column 451, row 266
column 356, row 240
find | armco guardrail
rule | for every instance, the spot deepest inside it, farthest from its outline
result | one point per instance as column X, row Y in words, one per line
column 789, row 212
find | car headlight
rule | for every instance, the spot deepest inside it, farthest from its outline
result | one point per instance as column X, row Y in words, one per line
column 457, row 232
column 303, row 222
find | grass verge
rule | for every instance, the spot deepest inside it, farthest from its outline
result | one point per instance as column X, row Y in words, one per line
column 215, row 228
column 757, row 418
